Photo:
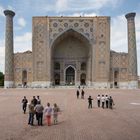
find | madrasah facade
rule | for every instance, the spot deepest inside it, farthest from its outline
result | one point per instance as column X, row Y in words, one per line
column 71, row 51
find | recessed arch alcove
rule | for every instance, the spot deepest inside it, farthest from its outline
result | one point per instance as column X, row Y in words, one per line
column 70, row 48
column 69, row 74
column 24, row 78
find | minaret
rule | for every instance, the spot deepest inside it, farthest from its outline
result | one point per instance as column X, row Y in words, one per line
column 9, row 54
column 132, row 51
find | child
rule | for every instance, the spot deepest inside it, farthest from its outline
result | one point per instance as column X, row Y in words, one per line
column 55, row 113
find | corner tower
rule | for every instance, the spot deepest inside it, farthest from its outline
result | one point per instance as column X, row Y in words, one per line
column 132, row 51
column 9, row 56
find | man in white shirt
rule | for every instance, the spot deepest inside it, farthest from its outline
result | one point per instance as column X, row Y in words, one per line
column 103, row 101
column 106, row 100
column 98, row 100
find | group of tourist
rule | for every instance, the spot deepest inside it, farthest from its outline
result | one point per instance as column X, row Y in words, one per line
column 36, row 109
column 103, row 101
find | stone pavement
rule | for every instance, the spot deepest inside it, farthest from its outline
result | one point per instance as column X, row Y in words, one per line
column 76, row 122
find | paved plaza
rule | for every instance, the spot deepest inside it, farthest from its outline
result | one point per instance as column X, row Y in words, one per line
column 76, row 122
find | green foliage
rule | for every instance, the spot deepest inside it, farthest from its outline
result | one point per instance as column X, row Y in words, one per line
column 1, row 79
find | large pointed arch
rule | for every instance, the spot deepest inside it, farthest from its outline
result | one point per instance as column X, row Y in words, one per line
column 70, row 47
column 73, row 32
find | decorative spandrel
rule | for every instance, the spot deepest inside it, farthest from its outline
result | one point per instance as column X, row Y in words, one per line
column 58, row 26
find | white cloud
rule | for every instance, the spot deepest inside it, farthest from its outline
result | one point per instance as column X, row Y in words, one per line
column 66, row 5
column 1, row 11
column 9, row 7
column 90, row 14
column 119, row 34
column 23, row 42
column 61, row 5
column 72, row 5
column 83, row 14
column 21, row 22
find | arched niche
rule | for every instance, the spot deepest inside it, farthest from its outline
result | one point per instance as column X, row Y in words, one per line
column 83, row 79
column 70, row 75
column 70, row 48
column 24, row 78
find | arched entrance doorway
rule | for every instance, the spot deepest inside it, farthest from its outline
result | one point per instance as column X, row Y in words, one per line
column 70, row 76
column 83, row 79
column 24, row 78
column 116, row 78
column 57, row 79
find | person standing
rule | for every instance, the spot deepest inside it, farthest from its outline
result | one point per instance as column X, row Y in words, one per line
column 103, row 101
column 90, row 102
column 82, row 94
column 34, row 101
column 24, row 104
column 107, row 101
column 31, row 113
column 38, row 100
column 98, row 100
column 77, row 93
column 55, row 113
column 48, row 113
column 39, row 112
column 111, row 102
column 79, row 87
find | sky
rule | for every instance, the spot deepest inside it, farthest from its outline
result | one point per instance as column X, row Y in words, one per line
column 26, row 9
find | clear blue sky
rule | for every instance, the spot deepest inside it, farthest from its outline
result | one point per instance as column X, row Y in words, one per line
column 26, row 9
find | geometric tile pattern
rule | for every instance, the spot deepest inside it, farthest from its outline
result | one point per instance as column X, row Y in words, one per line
column 62, row 24
column 102, row 50
column 119, row 63
column 132, row 51
column 132, row 48
column 23, row 62
column 46, row 30
column 9, row 49
column 39, row 33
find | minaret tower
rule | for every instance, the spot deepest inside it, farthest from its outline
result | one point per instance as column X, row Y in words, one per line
column 9, row 54
column 132, row 51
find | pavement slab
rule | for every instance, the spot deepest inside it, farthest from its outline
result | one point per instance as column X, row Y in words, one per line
column 76, row 121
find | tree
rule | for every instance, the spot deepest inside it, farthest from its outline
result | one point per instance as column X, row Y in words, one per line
column 1, row 79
